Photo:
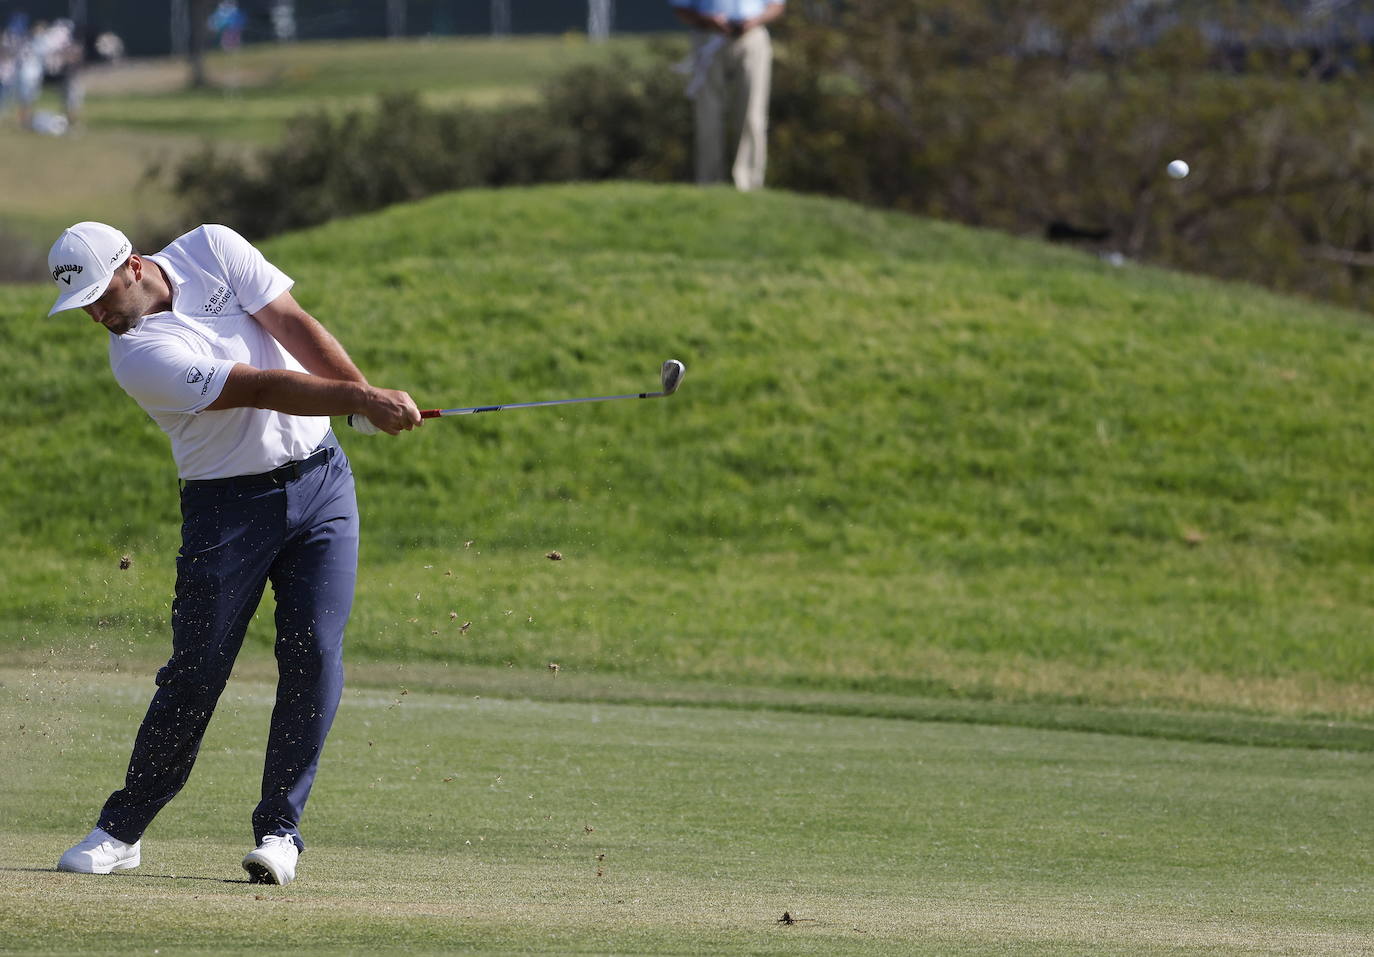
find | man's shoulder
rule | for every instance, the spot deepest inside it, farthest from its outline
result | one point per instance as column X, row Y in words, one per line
column 127, row 350
column 204, row 240
column 157, row 330
column 190, row 246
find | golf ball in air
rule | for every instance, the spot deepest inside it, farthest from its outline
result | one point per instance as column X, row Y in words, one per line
column 1178, row 169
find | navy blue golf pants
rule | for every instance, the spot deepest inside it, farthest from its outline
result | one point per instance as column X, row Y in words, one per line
column 301, row 534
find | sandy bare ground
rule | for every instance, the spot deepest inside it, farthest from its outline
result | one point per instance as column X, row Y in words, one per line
column 161, row 75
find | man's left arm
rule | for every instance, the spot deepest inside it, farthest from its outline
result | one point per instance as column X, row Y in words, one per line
column 308, row 341
column 334, row 385
column 265, row 291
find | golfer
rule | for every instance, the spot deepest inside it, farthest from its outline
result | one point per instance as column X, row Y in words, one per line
column 206, row 337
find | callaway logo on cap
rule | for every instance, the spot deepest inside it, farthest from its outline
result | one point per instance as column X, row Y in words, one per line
column 82, row 261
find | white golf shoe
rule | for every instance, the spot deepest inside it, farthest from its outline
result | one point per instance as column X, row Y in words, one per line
column 274, row 862
column 100, row 853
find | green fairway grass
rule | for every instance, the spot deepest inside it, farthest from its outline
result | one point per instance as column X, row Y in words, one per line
column 907, row 459
column 446, row 822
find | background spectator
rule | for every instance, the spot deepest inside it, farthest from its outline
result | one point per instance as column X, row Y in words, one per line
column 731, row 50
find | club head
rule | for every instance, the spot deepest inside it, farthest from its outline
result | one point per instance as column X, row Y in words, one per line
column 673, row 371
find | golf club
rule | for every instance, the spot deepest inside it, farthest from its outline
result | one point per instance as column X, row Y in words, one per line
column 671, row 377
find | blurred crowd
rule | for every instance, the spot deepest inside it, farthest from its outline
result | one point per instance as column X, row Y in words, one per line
column 38, row 53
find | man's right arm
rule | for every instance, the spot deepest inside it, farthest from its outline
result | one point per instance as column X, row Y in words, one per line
column 299, row 393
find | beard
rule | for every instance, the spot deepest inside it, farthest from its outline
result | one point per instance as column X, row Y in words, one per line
column 121, row 323
column 134, row 303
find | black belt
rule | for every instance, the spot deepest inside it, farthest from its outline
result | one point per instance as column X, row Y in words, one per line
column 278, row 476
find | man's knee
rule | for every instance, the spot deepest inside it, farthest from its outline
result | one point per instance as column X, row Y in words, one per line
column 197, row 671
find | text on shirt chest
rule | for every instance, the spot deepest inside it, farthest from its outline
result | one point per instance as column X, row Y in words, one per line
column 215, row 303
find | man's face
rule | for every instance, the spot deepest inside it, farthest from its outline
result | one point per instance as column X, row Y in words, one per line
column 123, row 303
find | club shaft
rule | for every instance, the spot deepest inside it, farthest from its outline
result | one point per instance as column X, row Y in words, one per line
column 437, row 413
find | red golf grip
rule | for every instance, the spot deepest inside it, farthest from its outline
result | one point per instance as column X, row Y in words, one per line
column 429, row 413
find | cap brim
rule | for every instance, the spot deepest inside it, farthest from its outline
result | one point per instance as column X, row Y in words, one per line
column 79, row 297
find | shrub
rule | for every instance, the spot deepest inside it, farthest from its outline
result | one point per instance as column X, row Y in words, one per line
column 340, row 165
column 598, row 122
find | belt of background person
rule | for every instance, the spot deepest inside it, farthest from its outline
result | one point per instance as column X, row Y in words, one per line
column 278, row 476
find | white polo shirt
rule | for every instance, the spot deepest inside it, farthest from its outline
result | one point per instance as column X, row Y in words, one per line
column 174, row 363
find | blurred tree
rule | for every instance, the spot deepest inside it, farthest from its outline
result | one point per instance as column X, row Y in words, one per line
column 1056, row 119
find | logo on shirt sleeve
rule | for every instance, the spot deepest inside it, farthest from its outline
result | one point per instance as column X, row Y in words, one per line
column 195, row 375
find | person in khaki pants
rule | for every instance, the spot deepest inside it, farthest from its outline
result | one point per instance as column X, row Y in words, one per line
column 731, row 48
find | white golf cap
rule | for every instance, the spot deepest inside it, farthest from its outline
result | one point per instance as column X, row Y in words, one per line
column 82, row 261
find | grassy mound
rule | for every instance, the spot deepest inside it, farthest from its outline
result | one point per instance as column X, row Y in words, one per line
column 907, row 457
